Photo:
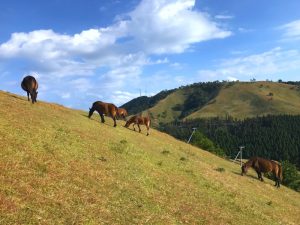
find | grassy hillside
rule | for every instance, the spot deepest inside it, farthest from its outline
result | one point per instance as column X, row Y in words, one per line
column 164, row 110
column 59, row 167
column 142, row 103
column 242, row 100
column 236, row 99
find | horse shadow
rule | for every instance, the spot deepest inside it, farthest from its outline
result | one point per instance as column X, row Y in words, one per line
column 133, row 130
column 20, row 98
column 247, row 175
column 98, row 121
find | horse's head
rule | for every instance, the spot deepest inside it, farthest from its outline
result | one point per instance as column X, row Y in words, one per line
column 91, row 112
column 127, row 123
column 244, row 169
column 34, row 96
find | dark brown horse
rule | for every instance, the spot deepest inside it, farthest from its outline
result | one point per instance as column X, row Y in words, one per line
column 104, row 108
column 122, row 113
column 139, row 120
column 261, row 165
column 30, row 85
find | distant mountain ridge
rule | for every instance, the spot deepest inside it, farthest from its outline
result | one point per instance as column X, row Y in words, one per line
column 220, row 99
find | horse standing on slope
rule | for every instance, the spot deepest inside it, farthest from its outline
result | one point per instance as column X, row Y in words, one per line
column 104, row 108
column 30, row 85
column 122, row 113
column 139, row 120
column 261, row 165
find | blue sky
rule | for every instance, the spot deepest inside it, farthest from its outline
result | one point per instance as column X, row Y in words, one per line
column 111, row 50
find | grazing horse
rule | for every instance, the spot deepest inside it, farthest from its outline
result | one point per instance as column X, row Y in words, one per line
column 139, row 120
column 122, row 113
column 30, row 85
column 261, row 165
column 104, row 108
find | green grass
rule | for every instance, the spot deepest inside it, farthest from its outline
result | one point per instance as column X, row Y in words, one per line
column 59, row 167
column 242, row 100
column 163, row 111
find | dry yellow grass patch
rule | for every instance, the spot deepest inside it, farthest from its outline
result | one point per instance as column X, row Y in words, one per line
column 59, row 167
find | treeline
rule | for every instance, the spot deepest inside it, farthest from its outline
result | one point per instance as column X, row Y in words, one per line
column 198, row 95
column 273, row 137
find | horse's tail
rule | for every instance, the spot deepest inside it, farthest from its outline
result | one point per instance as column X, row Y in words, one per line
column 148, row 114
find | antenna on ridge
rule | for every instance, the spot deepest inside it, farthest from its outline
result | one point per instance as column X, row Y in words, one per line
column 194, row 129
column 241, row 155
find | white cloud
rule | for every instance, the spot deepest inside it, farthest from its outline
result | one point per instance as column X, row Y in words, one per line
column 176, row 65
column 224, row 17
column 232, row 78
column 66, row 95
column 245, row 30
column 153, row 28
column 171, row 26
column 291, row 30
column 261, row 65
column 120, row 97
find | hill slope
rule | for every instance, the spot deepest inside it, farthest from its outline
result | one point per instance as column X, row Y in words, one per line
column 59, row 167
column 242, row 100
column 236, row 99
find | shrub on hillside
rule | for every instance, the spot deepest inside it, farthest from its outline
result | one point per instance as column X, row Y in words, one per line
column 291, row 176
column 200, row 140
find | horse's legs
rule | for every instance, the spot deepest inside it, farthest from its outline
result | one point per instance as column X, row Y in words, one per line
column 115, row 123
column 139, row 128
column 28, row 96
column 133, row 126
column 277, row 180
column 102, row 118
column 31, row 99
column 259, row 175
column 147, row 130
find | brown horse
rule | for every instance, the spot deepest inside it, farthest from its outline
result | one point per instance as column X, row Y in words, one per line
column 261, row 165
column 30, row 85
column 104, row 108
column 122, row 113
column 139, row 120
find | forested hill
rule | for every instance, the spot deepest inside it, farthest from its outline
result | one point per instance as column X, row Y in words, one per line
column 222, row 99
column 273, row 137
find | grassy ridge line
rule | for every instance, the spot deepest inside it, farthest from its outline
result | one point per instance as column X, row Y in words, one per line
column 242, row 100
column 163, row 110
column 238, row 99
column 58, row 167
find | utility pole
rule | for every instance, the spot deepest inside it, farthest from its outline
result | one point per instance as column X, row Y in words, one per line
column 241, row 155
column 194, row 129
